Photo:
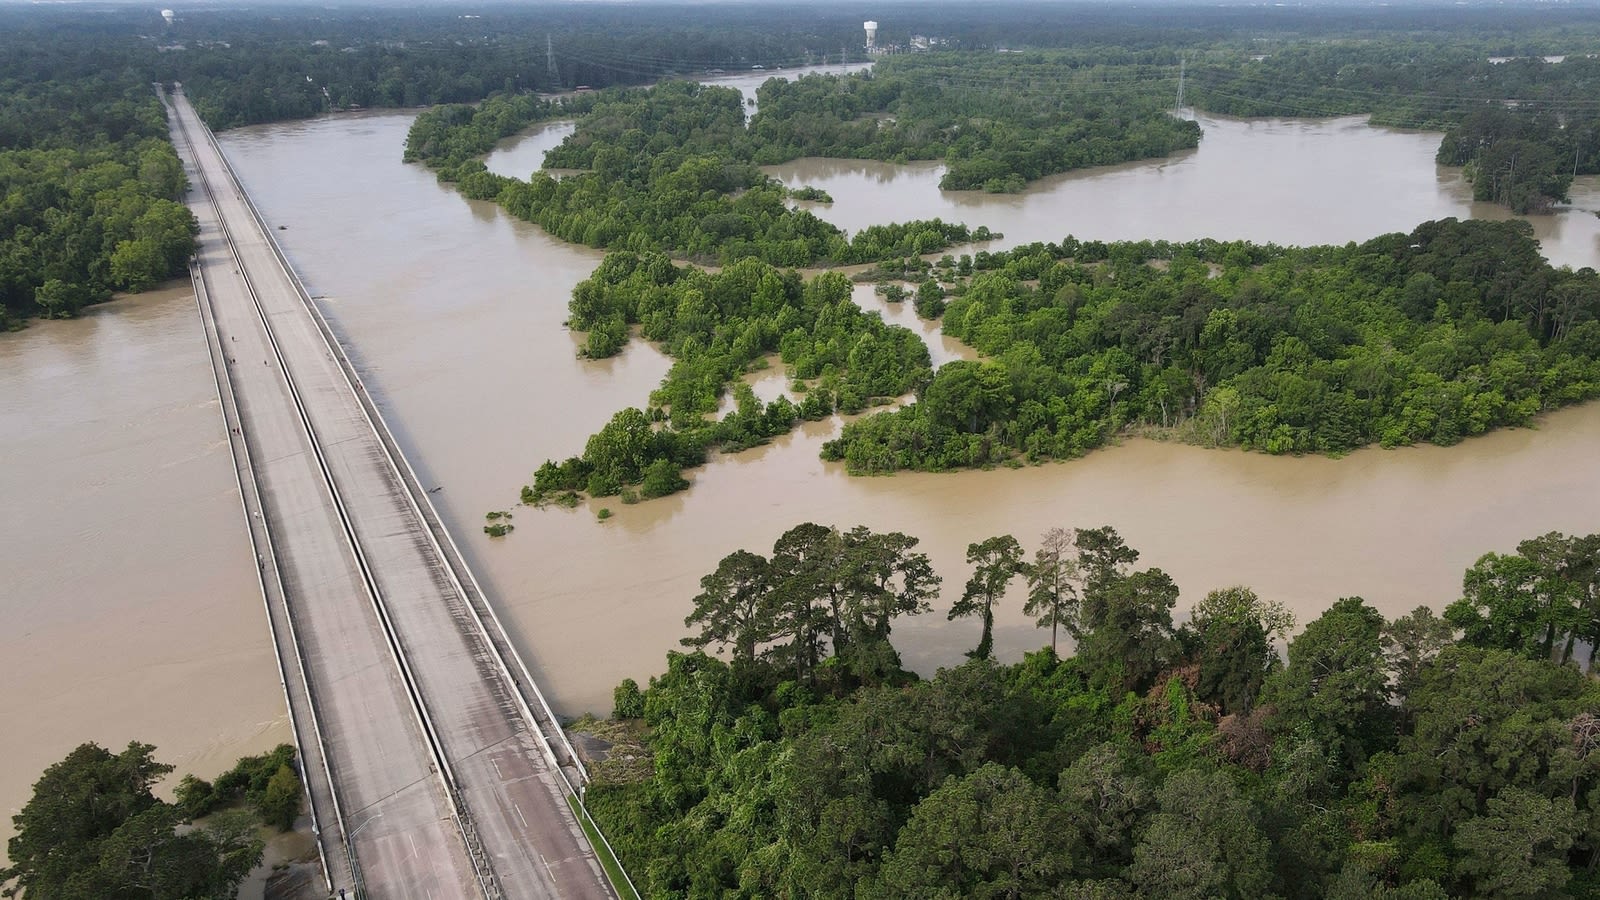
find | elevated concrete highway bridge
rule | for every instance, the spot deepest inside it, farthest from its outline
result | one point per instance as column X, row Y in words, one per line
column 433, row 765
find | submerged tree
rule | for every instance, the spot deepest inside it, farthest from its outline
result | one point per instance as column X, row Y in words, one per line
column 886, row 578
column 803, row 560
column 881, row 578
column 734, row 607
column 1052, row 591
column 998, row 560
column 1540, row 601
column 94, row 830
column 1103, row 557
column 821, row 590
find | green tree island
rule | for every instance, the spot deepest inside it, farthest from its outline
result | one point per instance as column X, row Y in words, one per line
column 1434, row 336
column 93, row 829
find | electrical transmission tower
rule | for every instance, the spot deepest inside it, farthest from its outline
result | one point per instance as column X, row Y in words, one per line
column 1183, row 65
column 550, row 60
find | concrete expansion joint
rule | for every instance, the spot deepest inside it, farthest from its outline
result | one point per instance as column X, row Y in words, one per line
column 508, row 739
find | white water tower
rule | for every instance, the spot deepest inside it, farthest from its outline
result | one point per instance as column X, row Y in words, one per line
column 167, row 14
column 872, row 35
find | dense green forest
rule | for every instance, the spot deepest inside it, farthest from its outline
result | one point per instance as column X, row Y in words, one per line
column 1448, row 332
column 1452, row 330
column 1414, row 758
column 999, row 121
column 94, row 829
column 1317, row 350
column 244, row 66
column 1002, row 120
column 716, row 327
column 1523, row 159
column 1420, row 757
column 664, row 170
column 87, row 176
column 450, row 138
column 84, row 177
column 1402, row 81
column 89, row 187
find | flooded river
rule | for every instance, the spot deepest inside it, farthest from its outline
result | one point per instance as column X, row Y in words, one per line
column 132, row 612
column 455, row 309
column 130, row 608
column 1287, row 181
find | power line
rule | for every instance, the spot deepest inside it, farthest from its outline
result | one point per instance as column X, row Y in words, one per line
column 1183, row 66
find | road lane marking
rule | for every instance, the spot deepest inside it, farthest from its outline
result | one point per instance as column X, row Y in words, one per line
column 516, row 806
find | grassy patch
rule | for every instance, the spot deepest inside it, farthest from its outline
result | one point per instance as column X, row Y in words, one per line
column 619, row 881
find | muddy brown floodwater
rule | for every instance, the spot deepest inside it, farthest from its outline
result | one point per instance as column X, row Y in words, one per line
column 130, row 606
column 1287, row 181
column 455, row 310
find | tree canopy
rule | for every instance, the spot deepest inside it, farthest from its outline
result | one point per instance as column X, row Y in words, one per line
column 1392, row 759
column 89, row 193
column 93, row 830
column 669, row 169
column 716, row 327
column 1449, row 331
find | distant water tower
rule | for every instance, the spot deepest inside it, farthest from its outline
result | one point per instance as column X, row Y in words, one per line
column 872, row 35
column 167, row 14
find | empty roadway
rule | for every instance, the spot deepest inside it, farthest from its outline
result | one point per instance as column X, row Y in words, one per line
column 404, row 670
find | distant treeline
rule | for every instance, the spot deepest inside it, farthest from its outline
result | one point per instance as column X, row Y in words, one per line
column 1522, row 126
column 77, row 86
column 998, row 120
column 667, row 169
column 244, row 66
column 256, row 65
column 88, row 177
column 1002, row 120
column 1417, row 758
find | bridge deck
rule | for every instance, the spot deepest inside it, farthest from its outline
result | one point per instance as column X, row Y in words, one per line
column 407, row 680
